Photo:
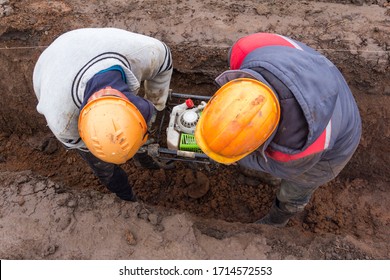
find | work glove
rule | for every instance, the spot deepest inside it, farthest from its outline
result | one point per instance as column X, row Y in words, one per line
column 142, row 159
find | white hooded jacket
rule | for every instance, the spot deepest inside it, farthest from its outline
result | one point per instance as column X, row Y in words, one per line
column 64, row 68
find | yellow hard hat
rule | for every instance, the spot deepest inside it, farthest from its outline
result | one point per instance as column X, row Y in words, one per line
column 237, row 120
column 112, row 128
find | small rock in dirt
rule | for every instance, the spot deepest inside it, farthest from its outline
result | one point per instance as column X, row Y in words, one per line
column 159, row 228
column 50, row 250
column 154, row 219
column 126, row 214
column 70, row 160
column 6, row 11
column 21, row 179
column 72, row 203
column 263, row 9
column 130, row 238
column 62, row 199
column 63, row 223
column 40, row 186
column 21, row 201
column 143, row 214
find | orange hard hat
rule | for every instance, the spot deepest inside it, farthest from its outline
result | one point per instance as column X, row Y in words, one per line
column 237, row 120
column 112, row 128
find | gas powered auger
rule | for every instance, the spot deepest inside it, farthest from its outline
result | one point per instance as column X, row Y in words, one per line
column 184, row 111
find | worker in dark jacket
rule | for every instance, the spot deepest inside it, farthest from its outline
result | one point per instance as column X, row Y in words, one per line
column 283, row 110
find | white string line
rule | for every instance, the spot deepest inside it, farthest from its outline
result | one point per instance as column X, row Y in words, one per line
column 21, row 48
column 367, row 51
column 332, row 50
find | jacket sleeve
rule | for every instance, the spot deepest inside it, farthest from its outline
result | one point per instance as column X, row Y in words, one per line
column 284, row 170
column 157, row 88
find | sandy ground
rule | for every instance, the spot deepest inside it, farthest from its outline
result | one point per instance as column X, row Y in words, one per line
column 52, row 207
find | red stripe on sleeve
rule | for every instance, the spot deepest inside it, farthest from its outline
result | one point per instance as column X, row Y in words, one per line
column 316, row 147
column 251, row 42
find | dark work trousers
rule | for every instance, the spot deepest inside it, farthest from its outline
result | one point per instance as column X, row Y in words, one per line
column 110, row 175
column 296, row 192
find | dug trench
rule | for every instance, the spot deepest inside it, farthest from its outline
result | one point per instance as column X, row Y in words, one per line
column 355, row 204
column 351, row 204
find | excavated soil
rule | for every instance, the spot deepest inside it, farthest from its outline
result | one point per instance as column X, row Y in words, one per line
column 52, row 206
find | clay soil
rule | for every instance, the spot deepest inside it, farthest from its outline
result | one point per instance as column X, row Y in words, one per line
column 52, row 206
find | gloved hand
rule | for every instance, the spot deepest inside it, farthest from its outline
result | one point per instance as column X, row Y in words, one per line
column 142, row 159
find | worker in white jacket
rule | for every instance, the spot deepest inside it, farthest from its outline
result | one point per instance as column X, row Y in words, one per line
column 87, row 82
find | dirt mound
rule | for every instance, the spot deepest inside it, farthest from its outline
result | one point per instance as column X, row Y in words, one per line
column 53, row 206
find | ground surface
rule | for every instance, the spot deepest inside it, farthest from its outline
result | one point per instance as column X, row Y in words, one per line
column 52, row 207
